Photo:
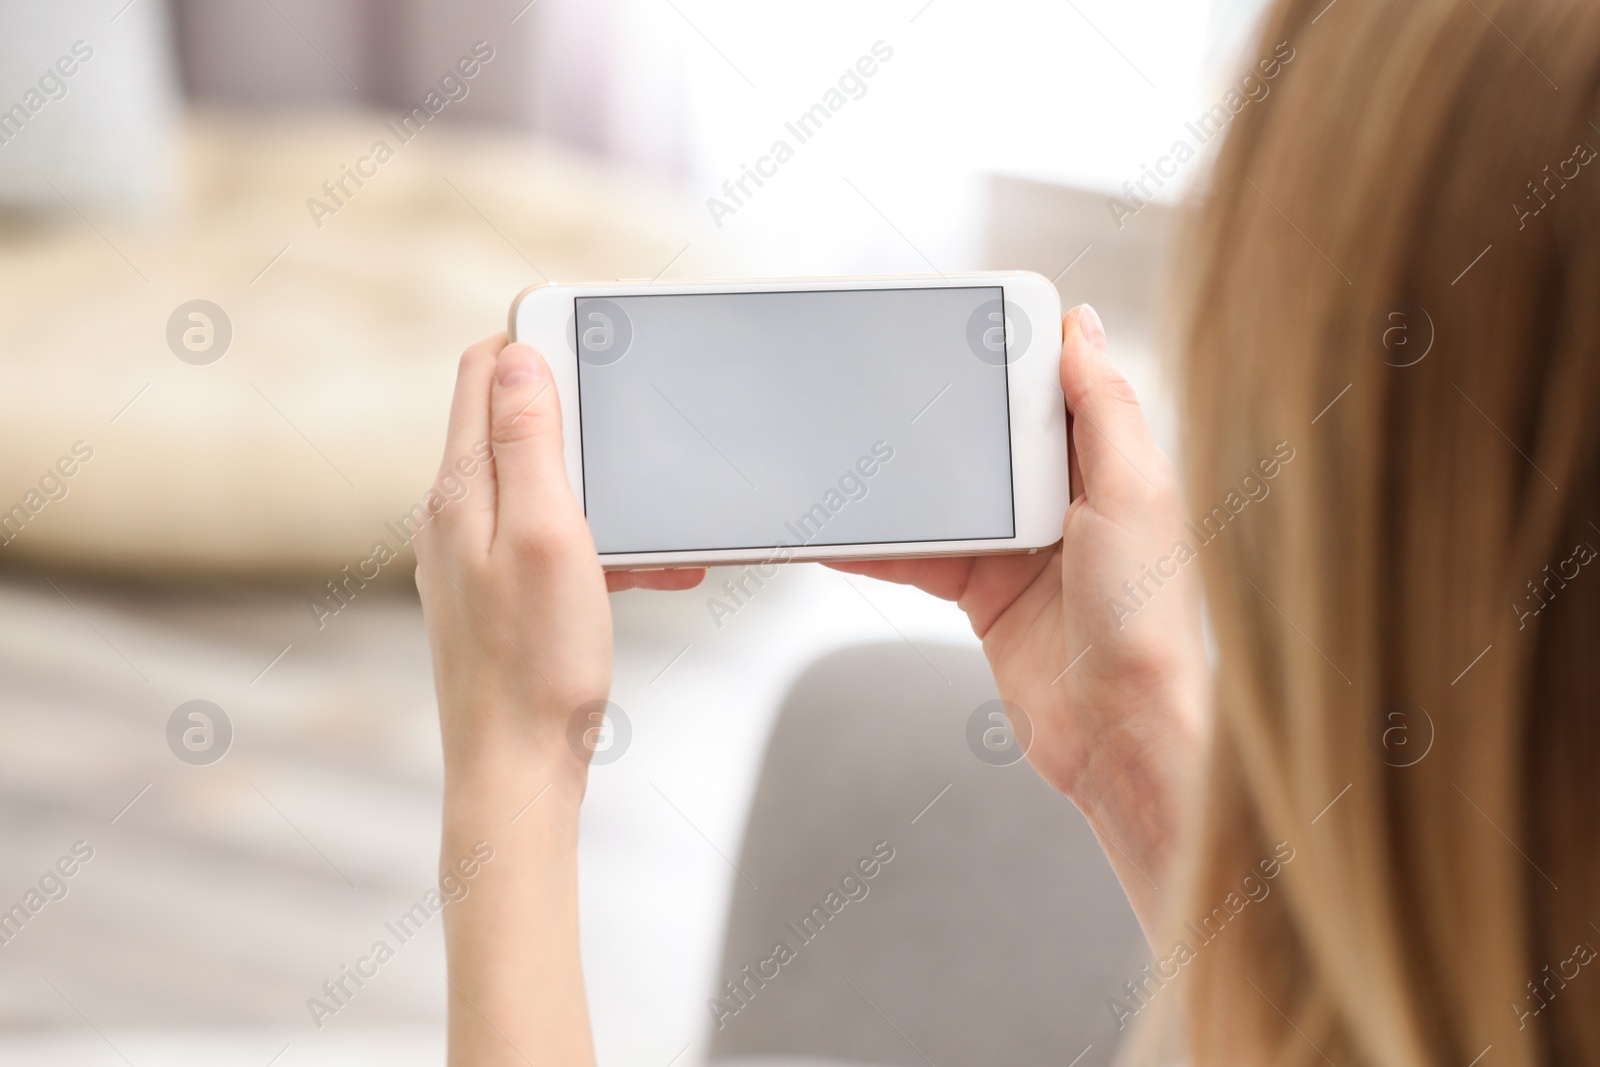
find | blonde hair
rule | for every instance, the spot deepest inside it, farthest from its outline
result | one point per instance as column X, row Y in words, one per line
column 1417, row 567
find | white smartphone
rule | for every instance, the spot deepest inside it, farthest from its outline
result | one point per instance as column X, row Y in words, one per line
column 808, row 419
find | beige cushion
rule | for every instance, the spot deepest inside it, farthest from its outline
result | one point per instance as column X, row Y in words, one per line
column 325, row 417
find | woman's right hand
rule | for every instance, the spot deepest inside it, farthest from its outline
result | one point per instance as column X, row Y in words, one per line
column 1117, row 698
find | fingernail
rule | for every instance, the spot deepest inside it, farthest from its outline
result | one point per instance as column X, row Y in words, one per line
column 518, row 364
column 1089, row 326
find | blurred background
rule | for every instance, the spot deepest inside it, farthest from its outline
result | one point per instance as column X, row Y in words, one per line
column 242, row 243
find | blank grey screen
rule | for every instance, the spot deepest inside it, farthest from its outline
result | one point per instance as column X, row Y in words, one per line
column 761, row 420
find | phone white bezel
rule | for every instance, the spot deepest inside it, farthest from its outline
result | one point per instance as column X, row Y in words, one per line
column 542, row 316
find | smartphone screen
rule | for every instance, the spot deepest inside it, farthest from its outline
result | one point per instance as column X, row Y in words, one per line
column 769, row 419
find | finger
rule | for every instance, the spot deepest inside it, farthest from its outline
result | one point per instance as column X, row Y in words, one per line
column 1074, row 475
column 1117, row 457
column 944, row 577
column 469, row 408
column 532, row 495
column 466, row 446
column 674, row 579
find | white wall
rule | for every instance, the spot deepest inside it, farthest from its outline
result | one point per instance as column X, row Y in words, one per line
column 1079, row 93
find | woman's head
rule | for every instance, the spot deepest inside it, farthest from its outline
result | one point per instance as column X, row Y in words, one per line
column 1395, row 274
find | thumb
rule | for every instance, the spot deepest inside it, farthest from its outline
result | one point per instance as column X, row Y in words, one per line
column 1117, row 457
column 531, row 484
